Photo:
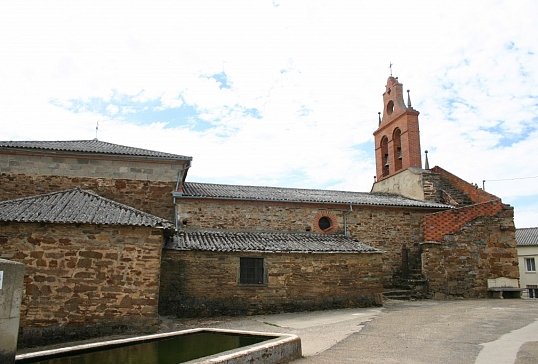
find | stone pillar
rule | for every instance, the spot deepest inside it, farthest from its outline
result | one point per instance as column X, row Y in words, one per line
column 11, row 288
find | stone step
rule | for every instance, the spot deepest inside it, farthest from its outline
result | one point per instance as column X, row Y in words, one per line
column 397, row 294
column 461, row 197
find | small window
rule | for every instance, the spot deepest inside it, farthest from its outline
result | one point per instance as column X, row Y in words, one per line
column 324, row 223
column 251, row 271
column 530, row 265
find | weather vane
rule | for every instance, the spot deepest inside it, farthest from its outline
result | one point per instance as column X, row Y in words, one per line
column 390, row 66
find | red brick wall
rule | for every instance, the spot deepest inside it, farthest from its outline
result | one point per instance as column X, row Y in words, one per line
column 476, row 194
column 446, row 222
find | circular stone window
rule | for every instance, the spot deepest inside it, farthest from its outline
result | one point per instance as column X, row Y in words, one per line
column 325, row 222
column 390, row 107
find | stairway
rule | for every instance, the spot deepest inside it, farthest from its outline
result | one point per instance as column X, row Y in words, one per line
column 456, row 194
column 414, row 286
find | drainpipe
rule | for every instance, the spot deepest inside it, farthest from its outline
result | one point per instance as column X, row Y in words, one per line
column 345, row 218
column 179, row 175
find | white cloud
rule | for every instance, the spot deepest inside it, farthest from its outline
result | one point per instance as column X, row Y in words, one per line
column 305, row 83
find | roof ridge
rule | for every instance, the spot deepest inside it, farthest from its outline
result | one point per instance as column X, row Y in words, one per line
column 275, row 187
column 91, row 146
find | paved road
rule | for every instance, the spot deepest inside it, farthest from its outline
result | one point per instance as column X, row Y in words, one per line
column 449, row 332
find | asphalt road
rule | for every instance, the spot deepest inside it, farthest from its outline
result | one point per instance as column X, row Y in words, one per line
column 492, row 331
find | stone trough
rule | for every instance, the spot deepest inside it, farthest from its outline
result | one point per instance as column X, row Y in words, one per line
column 274, row 348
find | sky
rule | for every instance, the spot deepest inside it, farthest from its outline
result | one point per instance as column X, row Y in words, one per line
column 281, row 93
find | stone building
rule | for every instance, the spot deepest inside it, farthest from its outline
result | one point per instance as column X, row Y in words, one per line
column 420, row 232
column 92, row 265
column 137, row 177
column 224, row 273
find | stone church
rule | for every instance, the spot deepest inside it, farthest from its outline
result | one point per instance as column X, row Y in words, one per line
column 114, row 236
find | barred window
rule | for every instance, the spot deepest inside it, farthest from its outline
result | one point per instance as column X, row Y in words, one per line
column 251, row 271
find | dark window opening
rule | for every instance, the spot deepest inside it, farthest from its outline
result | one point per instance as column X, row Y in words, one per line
column 324, row 223
column 533, row 290
column 390, row 107
column 251, row 271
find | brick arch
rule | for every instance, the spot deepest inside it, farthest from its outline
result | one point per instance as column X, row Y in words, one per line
column 397, row 148
column 384, row 144
column 325, row 214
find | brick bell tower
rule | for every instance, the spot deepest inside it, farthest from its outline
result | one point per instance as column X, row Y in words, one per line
column 397, row 140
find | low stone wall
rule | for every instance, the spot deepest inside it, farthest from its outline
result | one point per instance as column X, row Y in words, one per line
column 154, row 197
column 461, row 264
column 196, row 283
column 84, row 281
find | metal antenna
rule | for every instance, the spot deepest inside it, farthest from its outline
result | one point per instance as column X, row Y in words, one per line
column 96, row 129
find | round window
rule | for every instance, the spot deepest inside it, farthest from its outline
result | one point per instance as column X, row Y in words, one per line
column 324, row 223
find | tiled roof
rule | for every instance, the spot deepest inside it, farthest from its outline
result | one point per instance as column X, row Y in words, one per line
column 76, row 206
column 208, row 190
column 91, row 146
column 226, row 241
column 527, row 236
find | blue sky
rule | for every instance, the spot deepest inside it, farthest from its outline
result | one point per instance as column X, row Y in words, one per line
column 281, row 93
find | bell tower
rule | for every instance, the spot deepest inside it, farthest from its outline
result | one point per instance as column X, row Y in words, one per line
column 397, row 140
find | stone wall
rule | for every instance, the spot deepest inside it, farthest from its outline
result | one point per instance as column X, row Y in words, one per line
column 154, row 197
column 388, row 229
column 197, row 283
column 407, row 182
column 84, row 281
column 89, row 165
column 383, row 228
column 462, row 262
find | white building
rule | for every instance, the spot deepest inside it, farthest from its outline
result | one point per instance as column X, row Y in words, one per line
column 527, row 251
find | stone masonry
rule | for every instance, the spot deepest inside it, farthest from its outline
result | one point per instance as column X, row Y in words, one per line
column 84, row 280
column 200, row 283
column 383, row 228
column 86, row 165
column 154, row 197
column 460, row 263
